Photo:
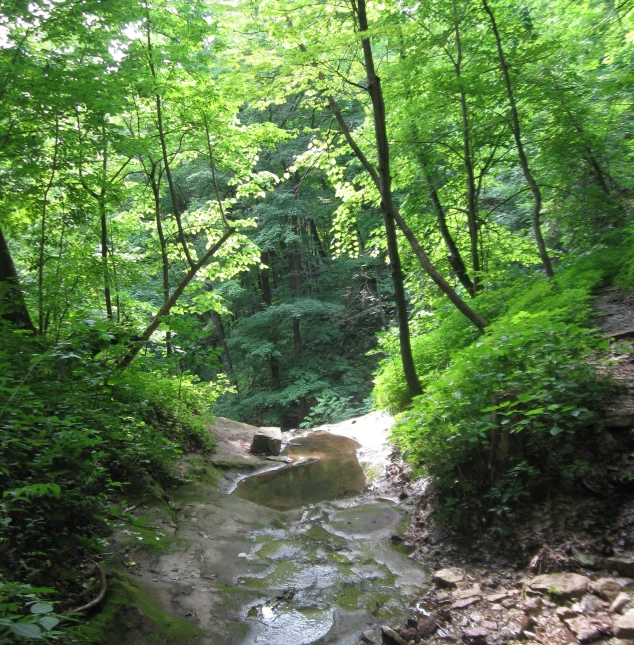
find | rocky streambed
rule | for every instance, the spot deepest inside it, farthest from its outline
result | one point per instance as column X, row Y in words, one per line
column 295, row 554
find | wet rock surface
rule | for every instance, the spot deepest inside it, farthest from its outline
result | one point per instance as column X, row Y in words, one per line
column 267, row 441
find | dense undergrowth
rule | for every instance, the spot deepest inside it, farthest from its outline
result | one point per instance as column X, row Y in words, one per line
column 503, row 414
column 73, row 435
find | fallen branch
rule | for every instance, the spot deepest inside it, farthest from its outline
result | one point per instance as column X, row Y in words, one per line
column 102, row 593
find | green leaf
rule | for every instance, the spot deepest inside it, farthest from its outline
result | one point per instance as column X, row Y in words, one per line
column 41, row 608
column 26, row 630
column 48, row 622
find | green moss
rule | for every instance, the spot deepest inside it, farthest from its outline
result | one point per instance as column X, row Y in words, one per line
column 131, row 615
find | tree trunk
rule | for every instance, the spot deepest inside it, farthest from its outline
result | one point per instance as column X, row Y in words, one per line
column 12, row 303
column 472, row 201
column 164, row 257
column 216, row 319
column 515, row 122
column 315, row 236
column 455, row 257
column 167, row 306
column 166, row 163
column 40, row 272
column 266, row 278
column 104, row 254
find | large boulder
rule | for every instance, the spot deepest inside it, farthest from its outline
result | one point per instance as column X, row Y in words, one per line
column 267, row 441
column 561, row 585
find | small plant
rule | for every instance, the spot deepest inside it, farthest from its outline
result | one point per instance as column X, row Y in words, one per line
column 23, row 615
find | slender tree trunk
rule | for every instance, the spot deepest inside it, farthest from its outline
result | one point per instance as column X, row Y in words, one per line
column 387, row 206
column 154, row 183
column 455, row 257
column 266, row 278
column 384, row 323
column 219, row 328
column 315, row 236
column 515, row 122
column 40, row 272
column 12, row 303
column 104, row 253
column 166, row 163
column 167, row 306
column 472, row 203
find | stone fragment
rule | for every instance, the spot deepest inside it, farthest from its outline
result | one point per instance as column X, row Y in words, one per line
column 607, row 588
column 475, row 635
column 587, row 560
column 622, row 564
column 267, row 441
column 565, row 612
column 583, row 628
column 426, row 627
column 449, row 577
column 624, row 625
column 533, row 606
column 497, row 597
column 368, row 638
column 467, row 593
column 463, row 603
column 443, row 597
column 620, row 602
column 561, row 585
column 509, row 603
column 589, row 605
column 391, row 637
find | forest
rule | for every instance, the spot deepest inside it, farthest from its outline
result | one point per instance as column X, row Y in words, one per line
column 290, row 213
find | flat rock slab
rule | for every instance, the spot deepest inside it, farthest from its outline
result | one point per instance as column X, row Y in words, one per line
column 449, row 577
column 622, row 564
column 584, row 629
column 267, row 441
column 561, row 585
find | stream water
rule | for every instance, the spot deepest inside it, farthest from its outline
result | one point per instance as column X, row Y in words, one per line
column 335, row 571
column 299, row 555
column 324, row 467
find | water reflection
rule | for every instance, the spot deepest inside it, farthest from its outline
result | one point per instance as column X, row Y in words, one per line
column 335, row 473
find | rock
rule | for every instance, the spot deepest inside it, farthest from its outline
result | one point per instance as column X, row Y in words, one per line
column 408, row 633
column 497, row 597
column 589, row 605
column 391, row 637
column 624, row 625
column 475, row 635
column 467, row 593
column 565, row 612
column 527, row 624
column 620, row 602
column 586, row 560
column 443, row 598
column 427, row 626
column 368, row 637
column 583, row 628
column 449, row 577
column 267, row 441
column 607, row 588
column 533, row 606
column 463, row 603
column 622, row 564
column 561, row 585
column 509, row 603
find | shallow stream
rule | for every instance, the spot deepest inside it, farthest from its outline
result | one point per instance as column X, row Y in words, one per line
column 335, row 571
column 304, row 554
